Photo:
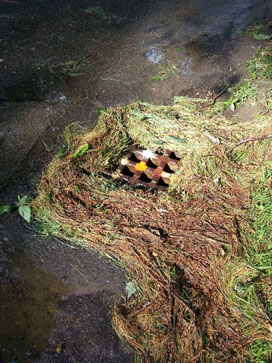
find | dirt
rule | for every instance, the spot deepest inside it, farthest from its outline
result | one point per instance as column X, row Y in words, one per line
column 60, row 61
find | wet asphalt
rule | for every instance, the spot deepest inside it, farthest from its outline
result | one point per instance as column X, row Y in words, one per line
column 59, row 62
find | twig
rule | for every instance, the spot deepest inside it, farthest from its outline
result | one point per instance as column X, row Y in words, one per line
column 115, row 80
column 266, row 112
column 248, row 140
column 157, row 137
column 77, row 270
column 214, row 99
column 49, row 152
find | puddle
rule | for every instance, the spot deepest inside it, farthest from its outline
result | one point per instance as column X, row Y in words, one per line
column 197, row 52
column 29, row 299
column 186, row 67
column 154, row 55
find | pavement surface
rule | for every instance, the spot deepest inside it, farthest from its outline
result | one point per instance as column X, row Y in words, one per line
column 59, row 62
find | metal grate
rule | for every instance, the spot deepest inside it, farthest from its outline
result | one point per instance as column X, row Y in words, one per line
column 147, row 169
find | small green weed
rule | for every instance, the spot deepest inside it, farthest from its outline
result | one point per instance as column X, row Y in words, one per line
column 242, row 92
column 6, row 209
column 268, row 99
column 80, row 151
column 260, row 67
column 165, row 72
column 132, row 287
column 95, row 10
column 22, row 205
column 98, row 12
column 259, row 31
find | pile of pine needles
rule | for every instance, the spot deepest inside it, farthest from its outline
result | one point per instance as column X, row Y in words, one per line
column 200, row 274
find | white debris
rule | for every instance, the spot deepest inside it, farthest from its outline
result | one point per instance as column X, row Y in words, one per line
column 214, row 139
column 148, row 154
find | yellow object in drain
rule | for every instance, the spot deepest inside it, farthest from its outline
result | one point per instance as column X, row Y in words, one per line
column 141, row 166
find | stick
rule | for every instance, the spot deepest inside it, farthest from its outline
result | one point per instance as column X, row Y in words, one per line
column 248, row 140
column 214, row 99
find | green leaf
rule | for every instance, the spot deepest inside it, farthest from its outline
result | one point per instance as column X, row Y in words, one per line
column 101, row 110
column 81, row 150
column 25, row 212
column 130, row 289
column 268, row 174
column 22, row 199
column 177, row 139
column 261, row 36
column 76, row 188
column 178, row 50
column 157, row 142
column 61, row 151
column 6, row 209
column 156, row 78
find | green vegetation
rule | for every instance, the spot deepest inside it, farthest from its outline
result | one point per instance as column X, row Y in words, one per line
column 259, row 31
column 98, row 13
column 95, row 10
column 260, row 67
column 242, row 92
column 165, row 71
column 23, row 206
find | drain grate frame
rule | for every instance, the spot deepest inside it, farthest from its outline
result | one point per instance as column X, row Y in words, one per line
column 147, row 169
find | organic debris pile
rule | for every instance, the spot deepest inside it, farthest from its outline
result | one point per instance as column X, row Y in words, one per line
column 196, row 292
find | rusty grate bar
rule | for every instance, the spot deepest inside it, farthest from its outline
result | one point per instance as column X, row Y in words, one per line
column 147, row 169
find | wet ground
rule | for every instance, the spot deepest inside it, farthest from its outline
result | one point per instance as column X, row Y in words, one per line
column 59, row 62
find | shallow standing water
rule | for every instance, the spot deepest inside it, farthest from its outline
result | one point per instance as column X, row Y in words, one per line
column 59, row 62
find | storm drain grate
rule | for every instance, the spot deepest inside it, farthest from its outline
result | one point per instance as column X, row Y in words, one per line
column 147, row 169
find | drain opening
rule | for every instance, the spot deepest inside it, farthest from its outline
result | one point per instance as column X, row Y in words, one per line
column 126, row 171
column 168, row 170
column 159, row 152
column 161, row 183
column 173, row 156
column 145, row 178
column 133, row 157
column 150, row 164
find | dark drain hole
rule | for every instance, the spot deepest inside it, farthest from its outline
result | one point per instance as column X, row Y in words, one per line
column 173, row 156
column 167, row 169
column 133, row 158
column 150, row 164
column 144, row 178
column 127, row 172
column 161, row 183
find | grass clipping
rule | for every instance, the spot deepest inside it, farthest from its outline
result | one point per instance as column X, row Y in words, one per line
column 198, row 289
